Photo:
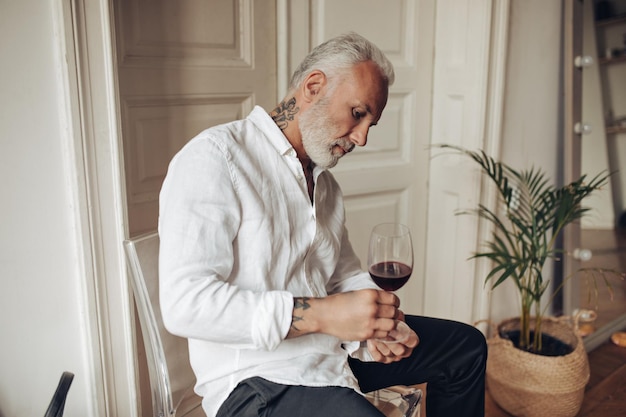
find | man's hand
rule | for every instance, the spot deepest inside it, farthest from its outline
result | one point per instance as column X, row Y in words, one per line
column 356, row 315
column 392, row 352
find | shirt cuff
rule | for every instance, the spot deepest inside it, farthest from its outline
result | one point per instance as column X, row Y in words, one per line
column 272, row 319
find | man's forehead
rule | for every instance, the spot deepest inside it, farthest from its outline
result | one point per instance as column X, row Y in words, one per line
column 361, row 88
column 373, row 87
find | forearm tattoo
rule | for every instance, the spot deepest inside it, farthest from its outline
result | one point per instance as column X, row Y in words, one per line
column 299, row 305
column 285, row 113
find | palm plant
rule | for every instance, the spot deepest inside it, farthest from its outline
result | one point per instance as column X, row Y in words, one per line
column 525, row 236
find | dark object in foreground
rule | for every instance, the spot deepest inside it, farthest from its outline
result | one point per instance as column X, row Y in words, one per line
column 57, row 404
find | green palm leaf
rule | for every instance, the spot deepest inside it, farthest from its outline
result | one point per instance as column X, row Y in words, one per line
column 534, row 212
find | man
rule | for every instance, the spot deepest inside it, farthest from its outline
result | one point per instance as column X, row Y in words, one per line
column 258, row 273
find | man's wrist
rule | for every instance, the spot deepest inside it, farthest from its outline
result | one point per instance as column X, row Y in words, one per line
column 303, row 318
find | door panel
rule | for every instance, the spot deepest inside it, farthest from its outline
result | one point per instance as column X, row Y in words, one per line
column 183, row 67
column 155, row 129
column 387, row 179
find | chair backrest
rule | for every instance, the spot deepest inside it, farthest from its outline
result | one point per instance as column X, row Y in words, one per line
column 171, row 376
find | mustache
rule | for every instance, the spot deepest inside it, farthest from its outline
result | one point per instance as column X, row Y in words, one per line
column 345, row 144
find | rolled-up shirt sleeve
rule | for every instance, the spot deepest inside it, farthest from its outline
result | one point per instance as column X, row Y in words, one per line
column 199, row 218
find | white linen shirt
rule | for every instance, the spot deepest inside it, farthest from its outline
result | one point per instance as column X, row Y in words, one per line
column 239, row 239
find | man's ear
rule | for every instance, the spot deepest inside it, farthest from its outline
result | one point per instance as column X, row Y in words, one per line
column 313, row 85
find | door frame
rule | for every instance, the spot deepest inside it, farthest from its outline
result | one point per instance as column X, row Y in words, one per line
column 496, row 89
column 94, row 156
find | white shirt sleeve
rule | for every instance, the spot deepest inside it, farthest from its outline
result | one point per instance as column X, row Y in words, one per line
column 198, row 222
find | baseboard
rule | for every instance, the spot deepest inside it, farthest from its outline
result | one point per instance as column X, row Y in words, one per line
column 603, row 334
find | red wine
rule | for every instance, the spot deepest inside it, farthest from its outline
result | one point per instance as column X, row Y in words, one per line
column 390, row 276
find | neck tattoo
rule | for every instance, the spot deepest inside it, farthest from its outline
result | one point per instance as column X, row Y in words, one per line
column 285, row 113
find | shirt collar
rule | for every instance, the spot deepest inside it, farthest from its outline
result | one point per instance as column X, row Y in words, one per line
column 275, row 136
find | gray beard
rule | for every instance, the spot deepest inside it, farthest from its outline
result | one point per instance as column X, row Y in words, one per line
column 316, row 129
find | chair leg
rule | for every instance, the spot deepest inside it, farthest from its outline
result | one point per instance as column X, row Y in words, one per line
column 397, row 401
column 412, row 397
column 57, row 405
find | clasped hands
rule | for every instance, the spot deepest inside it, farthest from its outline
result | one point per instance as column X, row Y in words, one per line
column 363, row 315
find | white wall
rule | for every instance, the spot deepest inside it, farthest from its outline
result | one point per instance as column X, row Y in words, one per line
column 41, row 320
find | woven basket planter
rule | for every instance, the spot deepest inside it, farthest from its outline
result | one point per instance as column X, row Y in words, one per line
column 529, row 385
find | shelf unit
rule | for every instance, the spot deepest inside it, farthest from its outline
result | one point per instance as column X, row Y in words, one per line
column 613, row 60
column 611, row 44
column 616, row 20
column 614, row 130
column 608, row 37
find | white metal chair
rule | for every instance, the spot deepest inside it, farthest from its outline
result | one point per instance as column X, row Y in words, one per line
column 171, row 377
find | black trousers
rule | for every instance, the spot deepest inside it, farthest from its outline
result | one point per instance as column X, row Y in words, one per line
column 451, row 358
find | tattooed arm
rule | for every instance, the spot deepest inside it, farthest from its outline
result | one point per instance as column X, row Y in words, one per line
column 355, row 315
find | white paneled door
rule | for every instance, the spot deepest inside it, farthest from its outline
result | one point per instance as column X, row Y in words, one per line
column 184, row 66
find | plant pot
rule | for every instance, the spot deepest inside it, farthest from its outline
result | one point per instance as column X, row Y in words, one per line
column 531, row 385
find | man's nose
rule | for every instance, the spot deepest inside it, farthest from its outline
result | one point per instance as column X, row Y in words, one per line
column 359, row 135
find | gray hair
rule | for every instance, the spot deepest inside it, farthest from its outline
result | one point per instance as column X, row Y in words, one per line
column 339, row 54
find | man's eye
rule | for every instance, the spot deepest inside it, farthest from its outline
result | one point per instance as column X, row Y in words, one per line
column 357, row 114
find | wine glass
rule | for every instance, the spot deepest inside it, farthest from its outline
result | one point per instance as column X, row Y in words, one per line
column 390, row 264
